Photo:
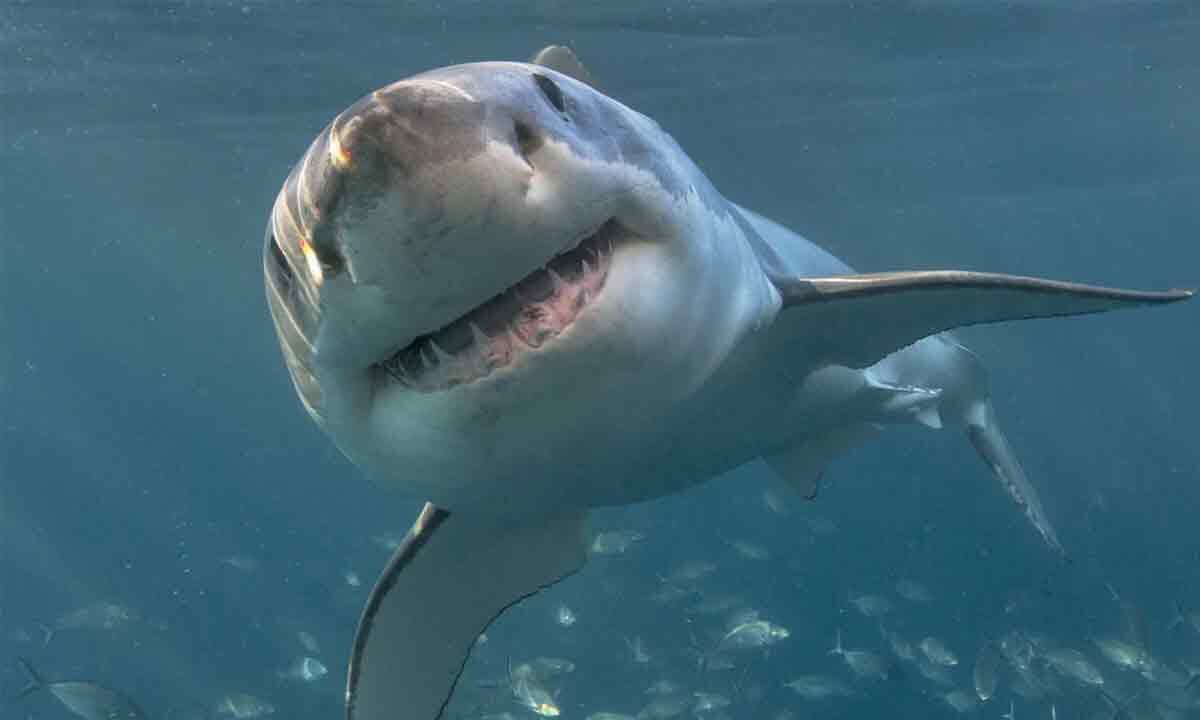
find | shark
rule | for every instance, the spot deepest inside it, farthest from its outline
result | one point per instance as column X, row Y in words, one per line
column 501, row 291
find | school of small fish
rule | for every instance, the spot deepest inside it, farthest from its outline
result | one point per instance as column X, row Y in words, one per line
column 730, row 659
column 888, row 635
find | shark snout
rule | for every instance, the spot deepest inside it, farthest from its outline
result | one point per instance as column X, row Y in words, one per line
column 406, row 128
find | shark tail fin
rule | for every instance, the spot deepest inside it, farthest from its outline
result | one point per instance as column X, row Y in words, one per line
column 1187, row 687
column 47, row 633
column 1112, row 701
column 702, row 653
column 1177, row 618
column 706, row 655
column 1120, row 709
column 34, row 683
column 1038, row 646
column 837, row 644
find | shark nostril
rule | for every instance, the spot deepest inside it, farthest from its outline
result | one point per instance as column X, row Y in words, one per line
column 528, row 140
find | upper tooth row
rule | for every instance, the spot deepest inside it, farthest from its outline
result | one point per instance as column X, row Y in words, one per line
column 432, row 354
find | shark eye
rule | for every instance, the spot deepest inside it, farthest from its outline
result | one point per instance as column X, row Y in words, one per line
column 551, row 91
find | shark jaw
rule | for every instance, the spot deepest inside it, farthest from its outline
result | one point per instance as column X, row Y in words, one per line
column 524, row 318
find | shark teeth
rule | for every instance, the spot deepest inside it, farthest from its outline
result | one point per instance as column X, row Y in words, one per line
column 524, row 318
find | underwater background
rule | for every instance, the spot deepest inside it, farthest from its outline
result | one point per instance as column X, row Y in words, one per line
column 153, row 457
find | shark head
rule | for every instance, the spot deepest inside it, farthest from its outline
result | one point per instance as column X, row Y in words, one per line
column 474, row 268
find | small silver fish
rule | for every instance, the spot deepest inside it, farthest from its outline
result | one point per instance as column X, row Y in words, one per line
column 242, row 563
column 913, row 591
column 637, row 649
column 819, row 687
column 690, row 572
column 530, row 693
column 986, row 665
column 934, row 673
column 308, row 641
column 663, row 687
column 1012, row 712
column 872, row 606
column 937, row 652
column 716, row 662
column 901, row 648
column 1121, row 653
column 866, row 664
column 1031, row 686
column 1186, row 619
column 97, row 616
column 822, row 526
column 565, row 616
column 753, row 634
column 774, row 502
column 716, row 605
column 305, row 669
column 960, row 701
column 87, row 700
column 242, row 706
column 863, row 663
column 1073, row 664
column 548, row 666
column 749, row 550
column 670, row 593
column 1017, row 650
column 388, row 540
column 615, row 542
column 743, row 615
column 663, row 707
column 707, row 702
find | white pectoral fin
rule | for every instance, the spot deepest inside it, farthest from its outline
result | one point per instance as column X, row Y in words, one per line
column 858, row 319
column 450, row 577
column 802, row 466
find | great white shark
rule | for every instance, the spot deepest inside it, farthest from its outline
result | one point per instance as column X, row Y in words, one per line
column 504, row 292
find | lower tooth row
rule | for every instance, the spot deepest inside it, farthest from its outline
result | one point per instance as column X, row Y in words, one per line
column 440, row 369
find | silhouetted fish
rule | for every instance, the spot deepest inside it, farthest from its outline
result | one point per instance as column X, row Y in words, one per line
column 87, row 700
column 97, row 616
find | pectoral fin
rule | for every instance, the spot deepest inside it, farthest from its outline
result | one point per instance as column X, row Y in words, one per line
column 859, row 319
column 450, row 577
column 802, row 466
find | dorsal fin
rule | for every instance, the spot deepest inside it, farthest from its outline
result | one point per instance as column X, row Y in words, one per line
column 561, row 58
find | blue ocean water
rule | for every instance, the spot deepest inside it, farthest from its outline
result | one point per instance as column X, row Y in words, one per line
column 153, row 454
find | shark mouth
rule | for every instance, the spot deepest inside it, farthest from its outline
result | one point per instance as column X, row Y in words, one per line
column 523, row 318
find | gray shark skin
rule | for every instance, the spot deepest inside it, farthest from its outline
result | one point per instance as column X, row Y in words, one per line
column 502, row 291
